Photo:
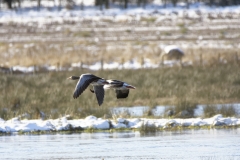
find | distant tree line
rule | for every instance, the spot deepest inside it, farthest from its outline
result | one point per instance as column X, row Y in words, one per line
column 105, row 4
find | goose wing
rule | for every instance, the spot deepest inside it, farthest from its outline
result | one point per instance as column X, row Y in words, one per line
column 99, row 91
column 123, row 93
column 83, row 83
column 113, row 84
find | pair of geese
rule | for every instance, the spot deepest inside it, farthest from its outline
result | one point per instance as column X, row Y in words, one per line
column 99, row 85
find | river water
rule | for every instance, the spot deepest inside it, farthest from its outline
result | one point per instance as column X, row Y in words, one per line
column 186, row 144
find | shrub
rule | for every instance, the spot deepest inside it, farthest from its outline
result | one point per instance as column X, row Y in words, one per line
column 210, row 110
column 227, row 111
column 185, row 109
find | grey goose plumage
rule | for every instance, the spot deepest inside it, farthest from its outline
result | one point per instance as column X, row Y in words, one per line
column 121, row 88
column 84, row 81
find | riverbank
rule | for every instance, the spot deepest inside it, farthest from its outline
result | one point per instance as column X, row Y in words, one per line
column 93, row 124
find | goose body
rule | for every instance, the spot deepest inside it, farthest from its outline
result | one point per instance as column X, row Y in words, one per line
column 121, row 88
column 84, row 81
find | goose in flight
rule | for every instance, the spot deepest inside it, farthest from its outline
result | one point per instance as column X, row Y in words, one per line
column 84, row 81
column 121, row 88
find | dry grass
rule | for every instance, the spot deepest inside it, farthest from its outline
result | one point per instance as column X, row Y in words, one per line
column 64, row 54
column 184, row 109
column 226, row 111
column 211, row 79
column 52, row 93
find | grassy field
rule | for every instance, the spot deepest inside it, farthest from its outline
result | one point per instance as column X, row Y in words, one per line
column 51, row 92
column 211, row 53
column 63, row 54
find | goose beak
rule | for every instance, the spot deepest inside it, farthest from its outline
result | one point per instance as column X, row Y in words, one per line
column 74, row 78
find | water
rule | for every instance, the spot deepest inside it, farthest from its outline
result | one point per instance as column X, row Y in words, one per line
column 138, row 111
column 188, row 144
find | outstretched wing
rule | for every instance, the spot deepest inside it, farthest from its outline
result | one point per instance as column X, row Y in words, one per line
column 99, row 91
column 122, row 93
column 83, row 83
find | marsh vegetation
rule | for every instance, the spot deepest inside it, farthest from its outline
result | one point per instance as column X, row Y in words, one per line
column 51, row 92
column 210, row 76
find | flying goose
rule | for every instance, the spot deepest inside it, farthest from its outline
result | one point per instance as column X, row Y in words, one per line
column 84, row 81
column 121, row 88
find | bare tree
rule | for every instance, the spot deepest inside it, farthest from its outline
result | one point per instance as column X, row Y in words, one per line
column 60, row 5
column 144, row 3
column 165, row 3
column 107, row 4
column 39, row 4
column 174, row 2
column 9, row 3
column 187, row 2
column 139, row 3
column 211, row 2
column 125, row 4
column 99, row 3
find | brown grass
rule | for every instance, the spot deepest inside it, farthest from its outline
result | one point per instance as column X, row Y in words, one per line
column 64, row 54
column 52, row 93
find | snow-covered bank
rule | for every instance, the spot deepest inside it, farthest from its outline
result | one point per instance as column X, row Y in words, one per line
column 63, row 124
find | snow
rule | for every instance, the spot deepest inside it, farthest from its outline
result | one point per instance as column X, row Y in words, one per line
column 19, row 124
column 168, row 48
column 61, row 124
column 29, row 15
column 23, row 69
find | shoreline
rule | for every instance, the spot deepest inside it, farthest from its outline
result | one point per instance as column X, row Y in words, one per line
column 93, row 124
